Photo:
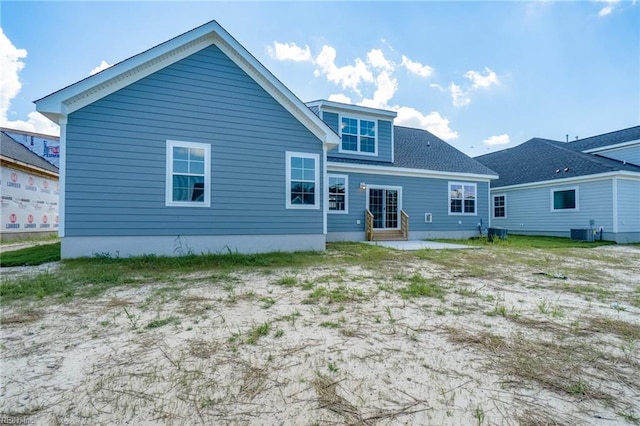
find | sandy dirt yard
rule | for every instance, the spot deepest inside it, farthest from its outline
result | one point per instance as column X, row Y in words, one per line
column 473, row 337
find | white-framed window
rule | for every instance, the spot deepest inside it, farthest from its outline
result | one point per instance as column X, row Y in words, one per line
column 358, row 135
column 564, row 199
column 462, row 198
column 500, row 206
column 188, row 181
column 303, row 180
column 338, row 194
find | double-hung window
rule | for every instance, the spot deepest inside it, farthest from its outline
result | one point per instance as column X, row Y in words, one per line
column 188, row 181
column 499, row 206
column 338, row 193
column 462, row 198
column 303, row 177
column 358, row 136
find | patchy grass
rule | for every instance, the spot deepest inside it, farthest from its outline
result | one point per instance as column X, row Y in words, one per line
column 161, row 322
column 486, row 336
column 36, row 255
column 421, row 287
column 529, row 241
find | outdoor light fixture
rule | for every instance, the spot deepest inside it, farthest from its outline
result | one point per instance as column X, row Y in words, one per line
column 363, row 186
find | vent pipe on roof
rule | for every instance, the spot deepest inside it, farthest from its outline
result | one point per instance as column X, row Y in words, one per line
column 567, row 137
column 576, row 138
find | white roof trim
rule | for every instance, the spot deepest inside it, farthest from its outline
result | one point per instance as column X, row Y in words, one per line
column 571, row 180
column 331, row 106
column 615, row 147
column 401, row 171
column 65, row 101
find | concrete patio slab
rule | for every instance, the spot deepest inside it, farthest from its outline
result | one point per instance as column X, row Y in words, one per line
column 418, row 245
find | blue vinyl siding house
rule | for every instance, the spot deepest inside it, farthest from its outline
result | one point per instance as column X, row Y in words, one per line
column 549, row 187
column 194, row 146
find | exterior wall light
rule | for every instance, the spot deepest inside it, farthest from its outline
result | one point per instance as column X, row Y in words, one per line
column 363, row 186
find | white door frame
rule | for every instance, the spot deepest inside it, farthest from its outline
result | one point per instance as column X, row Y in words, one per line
column 387, row 187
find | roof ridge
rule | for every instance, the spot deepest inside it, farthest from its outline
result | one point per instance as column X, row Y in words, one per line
column 604, row 134
column 590, row 157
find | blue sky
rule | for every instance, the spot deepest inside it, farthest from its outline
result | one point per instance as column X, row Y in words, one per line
column 482, row 75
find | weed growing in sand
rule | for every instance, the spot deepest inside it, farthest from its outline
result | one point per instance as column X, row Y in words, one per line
column 162, row 322
column 421, row 287
column 479, row 415
column 133, row 319
column 577, row 388
column 256, row 333
column 545, row 307
column 267, row 302
column 286, row 281
column 338, row 294
column 329, row 324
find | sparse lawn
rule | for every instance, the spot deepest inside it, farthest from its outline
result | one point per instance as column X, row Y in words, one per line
column 35, row 255
column 526, row 241
column 528, row 331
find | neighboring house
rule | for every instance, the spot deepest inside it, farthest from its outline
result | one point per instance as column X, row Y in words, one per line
column 549, row 187
column 28, row 190
column 194, row 146
column 45, row 146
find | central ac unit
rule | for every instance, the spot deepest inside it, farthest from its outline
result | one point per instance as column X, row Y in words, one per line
column 582, row 234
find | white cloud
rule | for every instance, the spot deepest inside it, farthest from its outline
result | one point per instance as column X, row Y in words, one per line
column 10, row 66
column 459, row 97
column 348, row 76
column 386, row 87
column 376, row 59
column 497, row 140
column 606, row 10
column 478, row 80
column 339, row 97
column 103, row 66
column 378, row 71
column 416, row 67
column 290, row 52
column 433, row 122
column 36, row 123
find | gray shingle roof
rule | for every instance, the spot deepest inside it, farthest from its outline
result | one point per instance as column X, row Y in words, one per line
column 540, row 160
column 420, row 149
column 16, row 151
column 612, row 138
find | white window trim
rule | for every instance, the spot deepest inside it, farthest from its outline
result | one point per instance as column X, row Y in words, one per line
column 493, row 206
column 346, row 194
column 318, row 187
column 359, row 118
column 475, row 210
column 568, row 188
column 169, row 179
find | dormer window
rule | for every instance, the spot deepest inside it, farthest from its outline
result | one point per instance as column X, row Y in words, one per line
column 358, row 136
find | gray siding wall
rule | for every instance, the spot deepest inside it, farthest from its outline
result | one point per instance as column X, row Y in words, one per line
column 530, row 209
column 630, row 154
column 419, row 196
column 385, row 131
column 628, row 205
column 116, row 155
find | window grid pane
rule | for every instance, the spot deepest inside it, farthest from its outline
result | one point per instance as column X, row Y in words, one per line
column 303, row 175
column 337, row 194
column 188, row 174
column 358, row 135
column 462, row 198
column 499, row 206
